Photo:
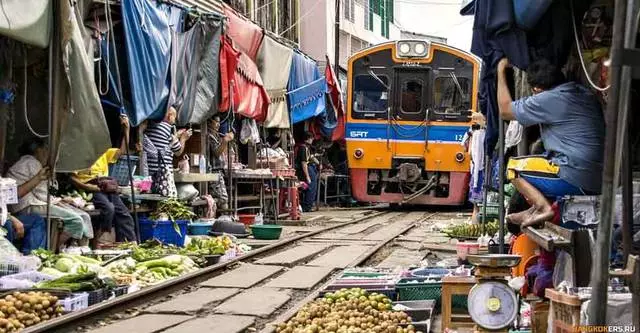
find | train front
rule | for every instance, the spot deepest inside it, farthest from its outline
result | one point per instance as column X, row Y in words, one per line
column 409, row 106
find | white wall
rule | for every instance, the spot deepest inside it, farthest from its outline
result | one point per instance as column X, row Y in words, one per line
column 314, row 35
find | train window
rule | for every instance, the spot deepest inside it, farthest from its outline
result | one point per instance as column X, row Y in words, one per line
column 451, row 94
column 370, row 97
column 411, row 98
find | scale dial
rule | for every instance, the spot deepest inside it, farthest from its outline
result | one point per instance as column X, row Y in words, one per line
column 493, row 305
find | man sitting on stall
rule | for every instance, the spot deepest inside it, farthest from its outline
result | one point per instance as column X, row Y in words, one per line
column 217, row 146
column 113, row 212
column 572, row 131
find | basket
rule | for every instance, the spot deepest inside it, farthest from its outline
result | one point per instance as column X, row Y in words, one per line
column 493, row 210
column 163, row 231
column 247, row 219
column 426, row 289
column 10, row 265
column 75, row 302
column 199, row 228
column 97, row 296
column 120, row 171
column 266, row 231
column 23, row 280
column 120, row 290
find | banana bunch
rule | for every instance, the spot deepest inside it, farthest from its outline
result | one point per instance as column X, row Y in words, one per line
column 471, row 230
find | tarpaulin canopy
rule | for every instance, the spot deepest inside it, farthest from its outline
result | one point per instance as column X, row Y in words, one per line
column 335, row 97
column 306, row 89
column 28, row 21
column 246, row 35
column 148, row 42
column 83, row 116
column 249, row 96
column 194, row 70
column 274, row 62
column 229, row 58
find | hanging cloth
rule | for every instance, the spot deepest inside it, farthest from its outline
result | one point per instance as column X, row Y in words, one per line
column 249, row 96
column 274, row 62
column 193, row 70
column 229, row 58
column 335, row 97
column 83, row 116
column 28, row 21
column 246, row 35
column 148, row 42
column 306, row 89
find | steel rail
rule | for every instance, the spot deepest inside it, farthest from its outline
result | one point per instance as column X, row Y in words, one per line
column 72, row 320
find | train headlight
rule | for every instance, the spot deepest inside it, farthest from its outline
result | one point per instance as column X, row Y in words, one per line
column 420, row 48
column 405, row 49
column 412, row 49
column 358, row 153
column 459, row 157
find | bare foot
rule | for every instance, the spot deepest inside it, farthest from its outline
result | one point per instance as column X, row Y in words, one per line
column 520, row 217
column 540, row 216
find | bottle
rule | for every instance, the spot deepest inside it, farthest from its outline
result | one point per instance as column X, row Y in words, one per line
column 202, row 163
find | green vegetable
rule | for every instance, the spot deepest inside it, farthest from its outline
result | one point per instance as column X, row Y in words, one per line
column 52, row 271
column 64, row 264
column 164, row 262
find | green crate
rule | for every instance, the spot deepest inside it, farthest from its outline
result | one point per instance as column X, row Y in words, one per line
column 365, row 275
column 427, row 291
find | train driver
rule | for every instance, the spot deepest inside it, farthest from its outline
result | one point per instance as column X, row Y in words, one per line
column 572, row 131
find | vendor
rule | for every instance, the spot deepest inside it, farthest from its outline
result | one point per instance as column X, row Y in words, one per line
column 572, row 130
column 307, row 169
column 113, row 212
column 30, row 230
column 217, row 146
column 160, row 138
column 31, row 174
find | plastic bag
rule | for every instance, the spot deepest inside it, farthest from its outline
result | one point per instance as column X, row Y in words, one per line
column 249, row 132
column 563, row 269
column 6, row 248
column 258, row 219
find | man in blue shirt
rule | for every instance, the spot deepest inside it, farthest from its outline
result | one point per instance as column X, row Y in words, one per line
column 572, row 131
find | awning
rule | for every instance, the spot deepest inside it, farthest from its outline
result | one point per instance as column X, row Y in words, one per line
column 274, row 62
column 28, row 21
column 246, row 35
column 80, row 114
column 306, row 89
column 148, row 43
column 335, row 97
column 229, row 58
column 249, row 96
column 194, row 70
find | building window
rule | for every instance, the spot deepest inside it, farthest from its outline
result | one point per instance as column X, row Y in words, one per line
column 348, row 10
column 368, row 15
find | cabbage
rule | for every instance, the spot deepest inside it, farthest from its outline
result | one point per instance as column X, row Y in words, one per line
column 64, row 265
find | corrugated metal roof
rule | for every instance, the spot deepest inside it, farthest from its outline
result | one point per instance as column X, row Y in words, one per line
column 203, row 5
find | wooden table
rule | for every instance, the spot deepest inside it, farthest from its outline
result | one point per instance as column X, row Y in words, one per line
column 455, row 285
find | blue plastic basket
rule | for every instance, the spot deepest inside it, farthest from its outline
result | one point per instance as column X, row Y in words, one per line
column 163, row 231
column 120, row 171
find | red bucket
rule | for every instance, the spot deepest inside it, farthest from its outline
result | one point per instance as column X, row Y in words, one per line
column 247, row 219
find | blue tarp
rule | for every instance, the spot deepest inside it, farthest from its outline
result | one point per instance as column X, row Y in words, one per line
column 306, row 89
column 148, row 43
column 327, row 121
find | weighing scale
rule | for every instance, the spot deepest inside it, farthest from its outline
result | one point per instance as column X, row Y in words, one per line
column 493, row 305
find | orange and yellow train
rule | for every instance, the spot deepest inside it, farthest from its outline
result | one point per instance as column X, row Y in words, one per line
column 409, row 106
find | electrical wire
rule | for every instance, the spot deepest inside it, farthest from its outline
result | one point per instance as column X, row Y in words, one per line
column 584, row 66
column 301, row 18
column 24, row 99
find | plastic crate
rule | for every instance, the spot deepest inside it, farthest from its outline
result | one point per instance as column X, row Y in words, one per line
column 97, row 296
column 423, row 290
column 23, row 280
column 10, row 265
column 493, row 210
column 75, row 302
column 120, row 170
column 163, row 231
column 120, row 290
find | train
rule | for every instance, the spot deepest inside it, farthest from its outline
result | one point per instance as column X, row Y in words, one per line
column 409, row 106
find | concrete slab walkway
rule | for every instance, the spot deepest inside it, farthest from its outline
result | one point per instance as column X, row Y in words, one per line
column 255, row 301
column 214, row 323
column 194, row 301
column 339, row 257
column 244, row 276
column 300, row 277
column 294, row 255
column 144, row 324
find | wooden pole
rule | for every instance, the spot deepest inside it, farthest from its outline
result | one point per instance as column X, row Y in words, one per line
column 600, row 271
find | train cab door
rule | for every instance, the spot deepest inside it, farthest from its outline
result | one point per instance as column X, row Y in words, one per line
column 409, row 113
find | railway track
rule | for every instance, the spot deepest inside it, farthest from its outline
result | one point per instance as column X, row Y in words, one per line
column 330, row 249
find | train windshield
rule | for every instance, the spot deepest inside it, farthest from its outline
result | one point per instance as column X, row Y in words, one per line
column 451, row 94
column 370, row 97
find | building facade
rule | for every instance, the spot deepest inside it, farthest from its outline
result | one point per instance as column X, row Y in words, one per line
column 362, row 23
